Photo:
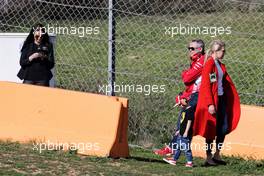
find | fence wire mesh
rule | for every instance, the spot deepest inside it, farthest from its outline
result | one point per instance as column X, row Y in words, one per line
column 151, row 39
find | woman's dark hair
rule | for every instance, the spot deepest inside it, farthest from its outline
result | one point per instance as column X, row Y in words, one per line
column 30, row 37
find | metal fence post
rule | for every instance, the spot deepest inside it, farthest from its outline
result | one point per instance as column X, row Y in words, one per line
column 111, row 48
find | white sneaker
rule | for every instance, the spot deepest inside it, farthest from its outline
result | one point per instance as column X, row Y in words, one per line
column 189, row 164
column 170, row 161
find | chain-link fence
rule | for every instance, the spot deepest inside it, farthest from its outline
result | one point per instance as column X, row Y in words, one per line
column 150, row 49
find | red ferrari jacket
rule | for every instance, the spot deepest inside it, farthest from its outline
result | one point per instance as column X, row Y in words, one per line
column 205, row 123
column 191, row 76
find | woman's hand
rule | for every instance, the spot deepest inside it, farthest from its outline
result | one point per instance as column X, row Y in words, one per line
column 34, row 56
column 211, row 109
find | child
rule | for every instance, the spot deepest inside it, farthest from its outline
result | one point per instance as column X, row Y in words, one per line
column 184, row 138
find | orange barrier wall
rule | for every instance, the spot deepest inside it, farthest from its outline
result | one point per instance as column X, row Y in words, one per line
column 95, row 124
column 246, row 141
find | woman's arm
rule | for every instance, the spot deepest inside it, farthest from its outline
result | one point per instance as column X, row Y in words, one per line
column 24, row 58
column 206, row 87
column 50, row 58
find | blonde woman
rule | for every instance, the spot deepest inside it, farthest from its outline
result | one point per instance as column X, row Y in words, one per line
column 218, row 107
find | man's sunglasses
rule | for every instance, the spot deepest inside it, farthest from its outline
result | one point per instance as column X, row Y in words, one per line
column 191, row 48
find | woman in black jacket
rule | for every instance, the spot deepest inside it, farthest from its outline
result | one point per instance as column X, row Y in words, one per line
column 37, row 57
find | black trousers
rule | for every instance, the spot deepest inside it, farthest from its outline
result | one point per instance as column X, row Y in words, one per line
column 39, row 83
column 221, row 126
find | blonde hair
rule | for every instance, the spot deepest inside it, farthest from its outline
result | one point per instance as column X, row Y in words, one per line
column 215, row 45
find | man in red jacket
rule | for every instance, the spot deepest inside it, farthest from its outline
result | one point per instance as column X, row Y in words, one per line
column 188, row 99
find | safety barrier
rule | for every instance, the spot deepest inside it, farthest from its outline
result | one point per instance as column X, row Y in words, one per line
column 245, row 141
column 61, row 119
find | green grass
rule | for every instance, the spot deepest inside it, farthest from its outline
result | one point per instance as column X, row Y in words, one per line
column 21, row 159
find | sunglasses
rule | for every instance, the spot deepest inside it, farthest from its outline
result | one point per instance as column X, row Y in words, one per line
column 191, row 48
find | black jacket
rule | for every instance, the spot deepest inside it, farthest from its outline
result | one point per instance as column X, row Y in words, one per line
column 37, row 69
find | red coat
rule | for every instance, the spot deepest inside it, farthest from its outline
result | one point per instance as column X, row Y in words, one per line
column 204, row 122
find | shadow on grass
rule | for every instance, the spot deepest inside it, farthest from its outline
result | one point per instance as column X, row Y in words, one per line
column 143, row 159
